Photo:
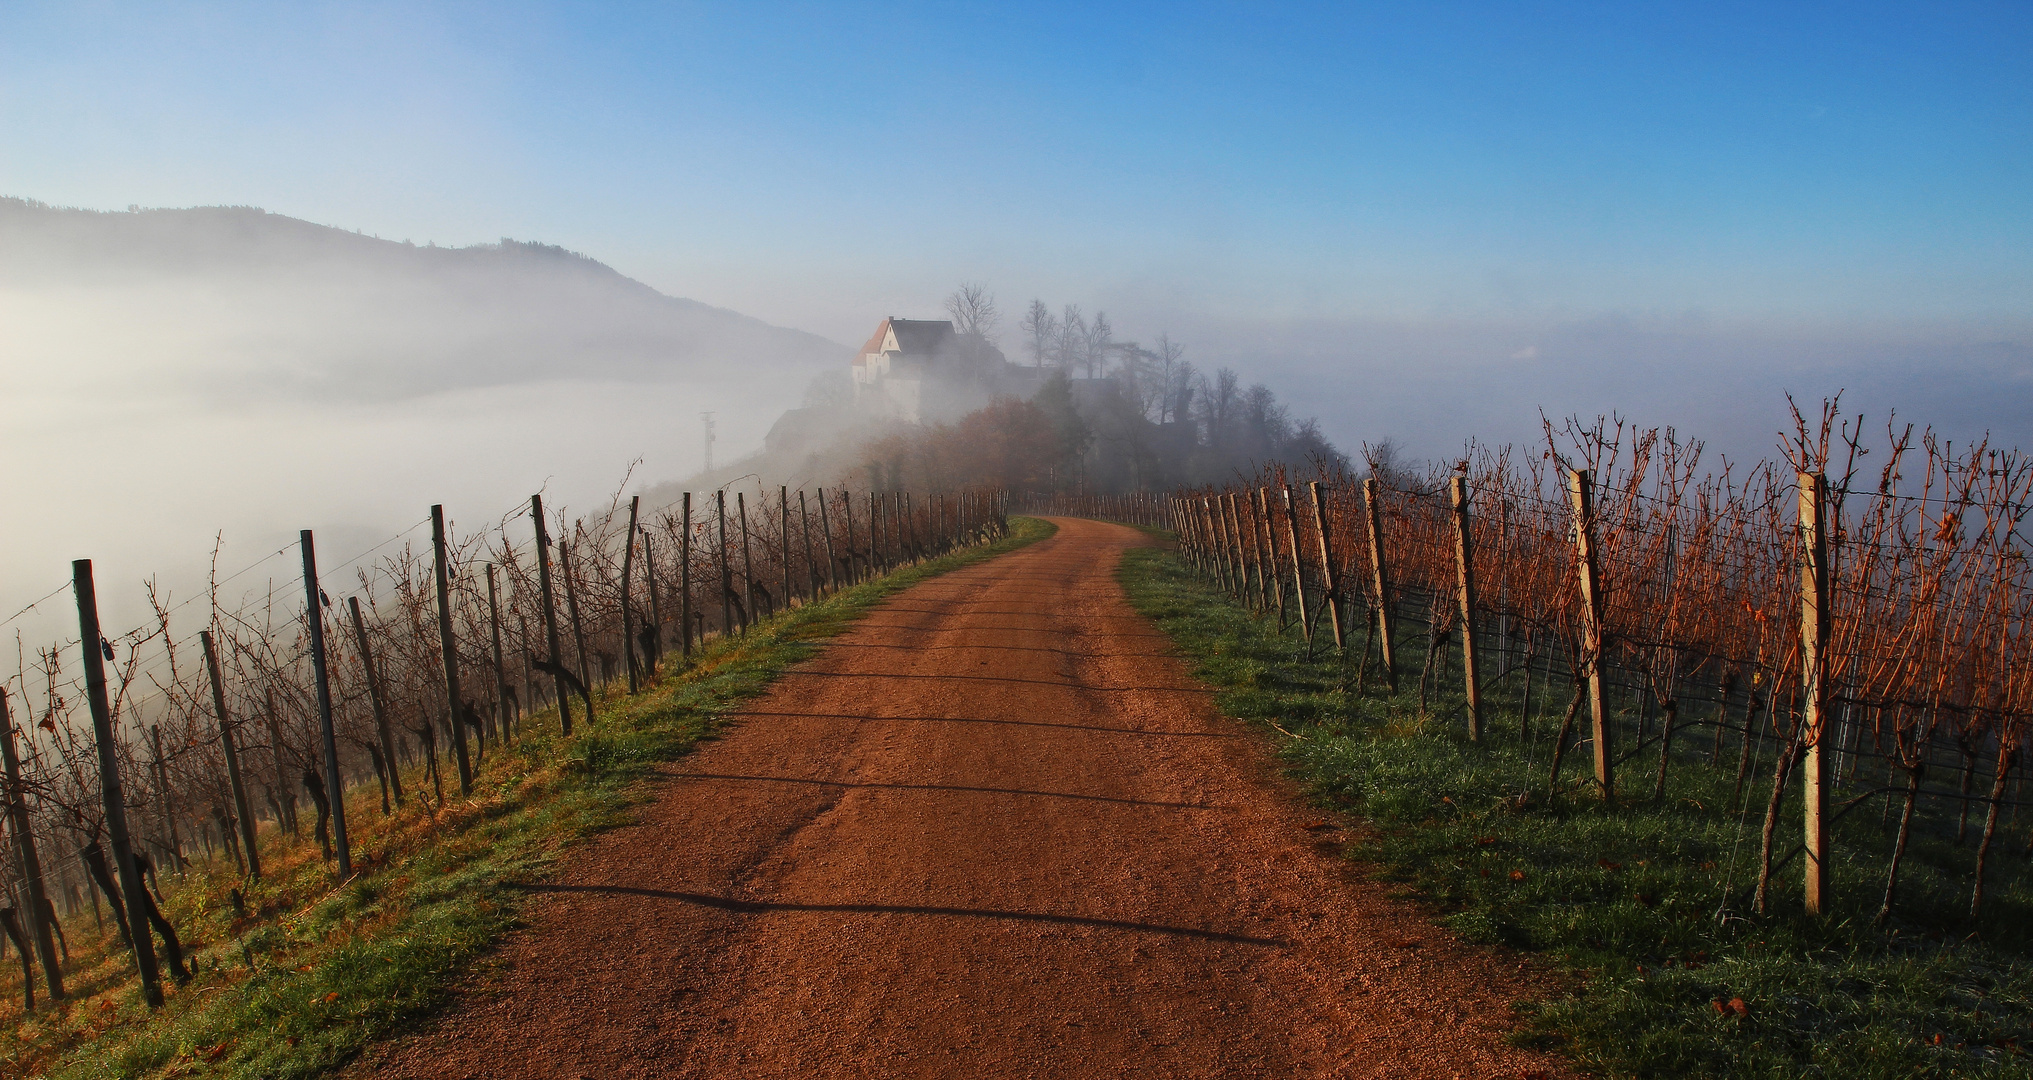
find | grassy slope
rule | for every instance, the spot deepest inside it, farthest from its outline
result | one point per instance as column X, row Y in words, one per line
column 320, row 971
column 1648, row 903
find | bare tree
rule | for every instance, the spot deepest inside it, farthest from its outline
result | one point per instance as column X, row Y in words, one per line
column 1041, row 330
column 973, row 310
column 1071, row 348
column 1100, row 341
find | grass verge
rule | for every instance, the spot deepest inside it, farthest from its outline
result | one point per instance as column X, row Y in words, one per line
column 316, row 970
column 1647, row 904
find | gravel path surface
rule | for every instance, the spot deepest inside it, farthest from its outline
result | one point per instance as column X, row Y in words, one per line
column 996, row 830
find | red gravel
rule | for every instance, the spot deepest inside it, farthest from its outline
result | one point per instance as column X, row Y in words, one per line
column 994, row 831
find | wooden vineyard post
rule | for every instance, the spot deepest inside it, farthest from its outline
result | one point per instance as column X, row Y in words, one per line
column 811, row 557
column 168, row 808
column 1269, row 536
column 1814, row 631
column 454, row 702
column 654, row 637
column 1224, row 545
column 1272, row 586
column 747, row 558
column 627, row 604
column 321, row 672
column 1204, row 521
column 832, row 560
column 113, row 797
column 1226, row 538
column 578, row 625
column 907, row 527
column 1581, row 494
column 501, row 714
column 1333, row 597
column 726, row 571
column 685, row 580
column 1233, row 519
column 285, row 796
column 232, row 752
column 1372, row 500
column 1298, row 567
column 877, row 557
column 1464, row 561
column 30, row 862
column 1253, row 546
column 550, row 606
column 847, row 514
column 783, row 496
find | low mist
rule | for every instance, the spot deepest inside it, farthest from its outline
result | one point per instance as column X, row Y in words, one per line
column 178, row 374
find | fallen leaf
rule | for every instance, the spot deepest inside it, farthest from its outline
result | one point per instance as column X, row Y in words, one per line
column 1608, row 865
column 1737, row 1006
column 1517, row 875
column 1485, row 840
column 331, row 997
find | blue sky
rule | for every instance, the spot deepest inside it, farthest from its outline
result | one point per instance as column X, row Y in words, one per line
column 1793, row 162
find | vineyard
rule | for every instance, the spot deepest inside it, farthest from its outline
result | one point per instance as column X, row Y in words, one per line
column 1855, row 619
column 222, row 732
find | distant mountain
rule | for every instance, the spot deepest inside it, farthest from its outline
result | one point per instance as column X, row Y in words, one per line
column 238, row 301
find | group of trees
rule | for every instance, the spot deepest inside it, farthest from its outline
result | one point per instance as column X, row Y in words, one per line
column 1109, row 415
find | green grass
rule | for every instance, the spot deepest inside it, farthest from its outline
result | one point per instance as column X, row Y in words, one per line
column 321, row 970
column 1647, row 905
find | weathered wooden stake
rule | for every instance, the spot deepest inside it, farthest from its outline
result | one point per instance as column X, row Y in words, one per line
column 1581, row 493
column 654, row 661
column 1266, row 559
column 1269, row 570
column 383, row 733
column 726, row 571
column 685, row 578
column 1327, row 571
column 783, row 497
column 747, row 559
column 25, row 854
column 450, row 646
column 627, row 600
column 320, row 670
column 501, row 713
column 1298, row 565
column 1239, row 551
column 550, row 612
column 578, row 626
column 847, row 513
column 832, row 561
column 811, row 557
column 1465, row 563
column 1814, row 631
column 232, row 752
column 1380, row 581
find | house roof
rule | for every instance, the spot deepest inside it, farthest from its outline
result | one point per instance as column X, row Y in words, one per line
column 914, row 337
column 920, row 337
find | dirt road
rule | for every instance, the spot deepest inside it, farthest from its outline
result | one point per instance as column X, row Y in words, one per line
column 994, row 831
